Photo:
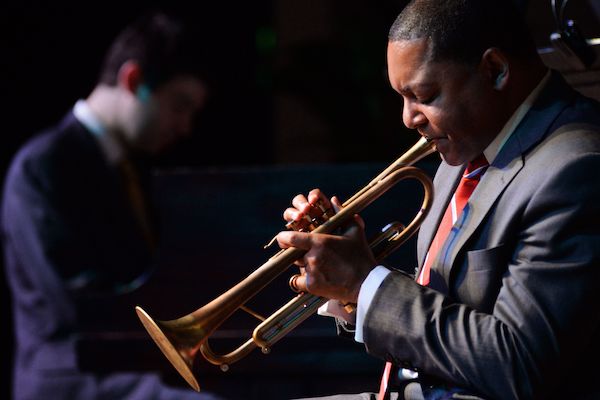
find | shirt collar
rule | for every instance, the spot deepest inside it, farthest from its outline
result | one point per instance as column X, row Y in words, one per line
column 494, row 148
column 111, row 147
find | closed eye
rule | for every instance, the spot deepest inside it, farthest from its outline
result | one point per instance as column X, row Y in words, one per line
column 427, row 100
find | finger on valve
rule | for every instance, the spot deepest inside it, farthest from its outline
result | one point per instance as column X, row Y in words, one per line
column 316, row 215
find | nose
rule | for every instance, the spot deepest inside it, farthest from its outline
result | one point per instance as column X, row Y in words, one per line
column 412, row 116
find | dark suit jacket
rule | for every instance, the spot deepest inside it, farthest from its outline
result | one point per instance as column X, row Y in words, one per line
column 517, row 314
column 68, row 235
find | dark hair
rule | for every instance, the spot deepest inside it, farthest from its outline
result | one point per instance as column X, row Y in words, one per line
column 461, row 30
column 159, row 43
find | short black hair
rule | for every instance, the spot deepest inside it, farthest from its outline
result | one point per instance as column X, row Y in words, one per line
column 160, row 43
column 461, row 30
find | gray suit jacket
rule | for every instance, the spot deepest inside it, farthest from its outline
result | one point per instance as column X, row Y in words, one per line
column 515, row 316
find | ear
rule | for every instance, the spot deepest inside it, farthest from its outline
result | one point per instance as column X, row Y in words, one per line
column 496, row 68
column 130, row 76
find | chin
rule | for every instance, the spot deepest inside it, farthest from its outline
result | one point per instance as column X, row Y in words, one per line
column 452, row 159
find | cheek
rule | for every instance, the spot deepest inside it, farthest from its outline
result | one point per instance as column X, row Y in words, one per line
column 147, row 113
column 166, row 116
column 138, row 122
column 439, row 121
column 167, row 127
column 454, row 122
column 152, row 126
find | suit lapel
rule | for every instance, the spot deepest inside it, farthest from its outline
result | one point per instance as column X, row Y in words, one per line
column 509, row 162
column 491, row 186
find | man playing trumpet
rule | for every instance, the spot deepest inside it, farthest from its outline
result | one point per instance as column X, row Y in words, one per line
column 503, row 302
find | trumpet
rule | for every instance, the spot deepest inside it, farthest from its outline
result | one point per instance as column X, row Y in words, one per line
column 183, row 338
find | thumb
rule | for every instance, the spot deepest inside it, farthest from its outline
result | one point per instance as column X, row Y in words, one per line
column 355, row 227
column 359, row 221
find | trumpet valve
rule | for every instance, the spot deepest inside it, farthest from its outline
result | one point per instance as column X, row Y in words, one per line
column 318, row 216
column 327, row 212
column 293, row 284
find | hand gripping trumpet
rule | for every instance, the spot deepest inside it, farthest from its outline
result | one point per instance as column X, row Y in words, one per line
column 181, row 339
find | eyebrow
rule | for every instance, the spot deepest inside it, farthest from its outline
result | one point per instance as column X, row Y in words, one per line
column 418, row 86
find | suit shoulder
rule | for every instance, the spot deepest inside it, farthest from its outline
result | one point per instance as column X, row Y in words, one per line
column 582, row 110
column 52, row 150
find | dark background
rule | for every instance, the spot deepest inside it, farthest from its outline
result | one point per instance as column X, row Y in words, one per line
column 295, row 83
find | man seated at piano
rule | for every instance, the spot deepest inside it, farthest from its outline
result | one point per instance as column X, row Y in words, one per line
column 76, row 220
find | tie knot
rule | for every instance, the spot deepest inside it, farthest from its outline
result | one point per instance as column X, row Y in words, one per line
column 476, row 167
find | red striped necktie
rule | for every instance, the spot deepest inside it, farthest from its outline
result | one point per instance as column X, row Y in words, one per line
column 466, row 186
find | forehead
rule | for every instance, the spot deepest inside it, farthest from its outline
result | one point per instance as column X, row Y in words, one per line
column 410, row 66
column 407, row 61
column 187, row 87
column 413, row 52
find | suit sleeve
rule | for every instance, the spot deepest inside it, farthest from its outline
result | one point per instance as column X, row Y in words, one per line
column 31, row 233
column 545, row 315
column 53, row 228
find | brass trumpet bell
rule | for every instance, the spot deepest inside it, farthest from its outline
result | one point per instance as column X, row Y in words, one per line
column 165, row 335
